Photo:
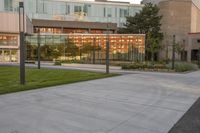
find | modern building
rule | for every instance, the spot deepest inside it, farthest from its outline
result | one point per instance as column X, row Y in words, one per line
column 75, row 10
column 58, row 17
column 180, row 18
column 87, row 48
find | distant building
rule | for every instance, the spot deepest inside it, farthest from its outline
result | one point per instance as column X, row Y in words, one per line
column 59, row 17
column 180, row 18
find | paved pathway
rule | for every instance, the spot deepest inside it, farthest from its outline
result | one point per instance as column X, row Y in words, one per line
column 132, row 103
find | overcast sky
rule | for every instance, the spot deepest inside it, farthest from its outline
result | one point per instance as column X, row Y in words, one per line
column 132, row 1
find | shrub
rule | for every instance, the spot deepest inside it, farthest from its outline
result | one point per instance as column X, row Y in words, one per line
column 57, row 63
column 160, row 66
column 73, row 61
column 143, row 66
column 183, row 66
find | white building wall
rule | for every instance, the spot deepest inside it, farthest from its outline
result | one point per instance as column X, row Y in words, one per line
column 10, row 23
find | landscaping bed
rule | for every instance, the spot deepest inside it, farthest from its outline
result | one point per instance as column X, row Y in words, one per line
column 161, row 67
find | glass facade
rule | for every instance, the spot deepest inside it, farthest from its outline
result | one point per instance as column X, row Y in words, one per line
column 8, row 40
column 8, row 55
column 69, row 31
column 86, row 48
column 74, row 43
column 8, row 5
column 8, row 47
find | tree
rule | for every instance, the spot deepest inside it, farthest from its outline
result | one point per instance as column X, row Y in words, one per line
column 71, row 48
column 55, row 53
column 153, row 46
column 145, row 22
column 90, row 49
column 179, row 48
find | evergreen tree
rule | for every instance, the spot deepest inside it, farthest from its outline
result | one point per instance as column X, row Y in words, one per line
column 147, row 21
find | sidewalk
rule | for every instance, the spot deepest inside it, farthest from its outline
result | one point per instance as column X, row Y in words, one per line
column 131, row 103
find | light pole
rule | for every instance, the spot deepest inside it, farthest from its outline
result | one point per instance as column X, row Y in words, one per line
column 173, row 51
column 184, row 59
column 107, row 47
column 22, row 47
column 199, row 57
column 38, row 49
column 94, row 48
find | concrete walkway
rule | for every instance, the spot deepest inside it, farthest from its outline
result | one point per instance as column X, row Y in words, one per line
column 132, row 103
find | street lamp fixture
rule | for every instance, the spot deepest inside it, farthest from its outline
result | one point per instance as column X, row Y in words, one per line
column 22, row 44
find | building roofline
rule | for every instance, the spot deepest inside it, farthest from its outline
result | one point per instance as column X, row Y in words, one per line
column 100, row 3
column 73, row 24
column 87, row 34
column 194, row 33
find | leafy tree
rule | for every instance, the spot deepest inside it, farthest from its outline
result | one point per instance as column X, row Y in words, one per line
column 71, row 48
column 154, row 46
column 179, row 48
column 90, row 50
column 145, row 22
column 87, row 48
column 55, row 53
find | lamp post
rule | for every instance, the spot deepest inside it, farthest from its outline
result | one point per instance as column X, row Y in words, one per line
column 107, row 47
column 22, row 47
column 38, row 49
column 173, row 51
column 184, row 59
column 94, row 48
column 199, row 57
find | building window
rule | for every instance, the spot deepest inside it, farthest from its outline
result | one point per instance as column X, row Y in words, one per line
column 123, row 13
column 67, row 9
column 115, row 12
column 109, row 12
column 41, row 6
column 104, row 12
column 194, row 54
column 86, row 9
column 8, row 5
column 8, row 40
column 77, row 9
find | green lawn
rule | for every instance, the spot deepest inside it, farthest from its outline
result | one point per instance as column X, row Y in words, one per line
column 9, row 78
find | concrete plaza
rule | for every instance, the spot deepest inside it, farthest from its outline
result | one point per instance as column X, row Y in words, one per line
column 131, row 103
